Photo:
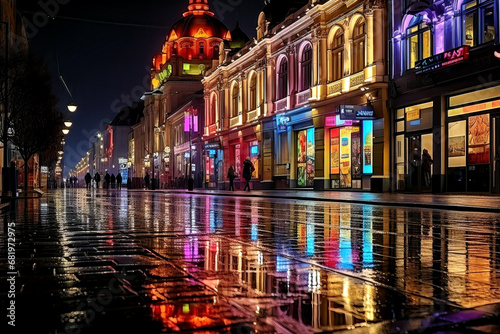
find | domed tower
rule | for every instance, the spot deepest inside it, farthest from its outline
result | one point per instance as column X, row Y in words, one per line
column 192, row 45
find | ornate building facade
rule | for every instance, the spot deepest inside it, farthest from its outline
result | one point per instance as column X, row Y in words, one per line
column 305, row 101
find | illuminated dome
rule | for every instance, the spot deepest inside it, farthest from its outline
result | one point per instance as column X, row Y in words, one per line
column 198, row 22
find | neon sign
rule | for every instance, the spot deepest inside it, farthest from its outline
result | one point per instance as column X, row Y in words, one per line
column 444, row 59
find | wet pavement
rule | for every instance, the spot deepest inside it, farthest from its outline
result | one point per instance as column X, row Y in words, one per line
column 165, row 262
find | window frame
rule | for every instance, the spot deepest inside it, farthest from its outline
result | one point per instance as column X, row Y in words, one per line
column 306, row 77
column 476, row 7
column 282, row 82
column 418, row 31
column 359, row 42
column 338, row 55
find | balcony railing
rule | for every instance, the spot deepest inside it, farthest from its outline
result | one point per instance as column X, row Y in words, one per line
column 303, row 97
column 234, row 121
column 281, row 105
column 252, row 115
column 335, row 87
column 357, row 79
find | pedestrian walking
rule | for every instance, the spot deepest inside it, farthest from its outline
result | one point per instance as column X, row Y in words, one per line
column 231, row 176
column 107, row 178
column 426, row 167
column 88, row 178
column 97, row 179
column 146, row 180
column 248, row 168
column 119, row 181
column 113, row 179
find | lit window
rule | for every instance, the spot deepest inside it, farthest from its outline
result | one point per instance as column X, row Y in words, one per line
column 419, row 41
column 478, row 22
column 358, row 59
column 338, row 55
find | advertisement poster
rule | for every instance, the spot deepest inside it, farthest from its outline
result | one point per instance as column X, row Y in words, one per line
column 334, row 152
column 368, row 147
column 479, row 139
column 301, row 146
column 457, row 144
column 345, row 158
column 356, row 154
column 310, row 158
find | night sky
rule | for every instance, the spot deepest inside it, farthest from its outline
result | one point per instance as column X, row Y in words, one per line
column 105, row 49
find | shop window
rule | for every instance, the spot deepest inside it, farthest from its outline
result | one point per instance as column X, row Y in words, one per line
column 306, row 68
column 305, row 158
column 358, row 59
column 235, row 100
column 345, row 157
column 281, row 154
column 478, row 21
column 338, row 55
column 419, row 40
column 479, row 139
column 253, row 93
column 282, row 90
column 254, row 157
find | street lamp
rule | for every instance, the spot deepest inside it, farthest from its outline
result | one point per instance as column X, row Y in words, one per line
column 68, row 123
column 71, row 105
column 65, row 131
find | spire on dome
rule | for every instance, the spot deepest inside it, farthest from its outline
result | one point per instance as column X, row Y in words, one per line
column 198, row 7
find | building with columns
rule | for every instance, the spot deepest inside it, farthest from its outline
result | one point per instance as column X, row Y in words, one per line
column 305, row 100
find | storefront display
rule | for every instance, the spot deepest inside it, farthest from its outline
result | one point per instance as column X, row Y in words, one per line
column 345, row 157
column 305, row 158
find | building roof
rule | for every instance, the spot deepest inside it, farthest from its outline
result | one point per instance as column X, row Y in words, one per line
column 200, row 22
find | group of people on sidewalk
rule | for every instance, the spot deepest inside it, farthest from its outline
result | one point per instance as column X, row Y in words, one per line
column 109, row 180
column 248, row 169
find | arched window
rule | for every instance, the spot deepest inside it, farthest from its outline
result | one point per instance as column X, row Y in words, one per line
column 252, row 92
column 235, row 95
column 419, row 40
column 212, row 111
column 358, row 49
column 202, row 48
column 306, row 68
column 282, row 90
column 478, row 17
column 338, row 55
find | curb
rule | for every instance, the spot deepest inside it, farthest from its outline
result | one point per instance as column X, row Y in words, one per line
column 322, row 199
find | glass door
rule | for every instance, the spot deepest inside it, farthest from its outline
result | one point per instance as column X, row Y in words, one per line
column 420, row 162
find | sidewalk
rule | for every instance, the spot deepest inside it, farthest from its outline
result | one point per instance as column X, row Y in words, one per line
column 457, row 202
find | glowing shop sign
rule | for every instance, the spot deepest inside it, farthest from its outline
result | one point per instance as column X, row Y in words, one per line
column 368, row 147
column 444, row 59
column 355, row 112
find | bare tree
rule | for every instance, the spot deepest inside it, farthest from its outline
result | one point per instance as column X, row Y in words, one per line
column 35, row 122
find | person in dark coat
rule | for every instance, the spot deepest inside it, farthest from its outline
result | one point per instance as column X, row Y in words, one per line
column 97, row 179
column 113, row 179
column 107, row 178
column 426, row 167
column 247, row 172
column 88, row 178
column 119, row 181
column 146, row 180
column 231, row 176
